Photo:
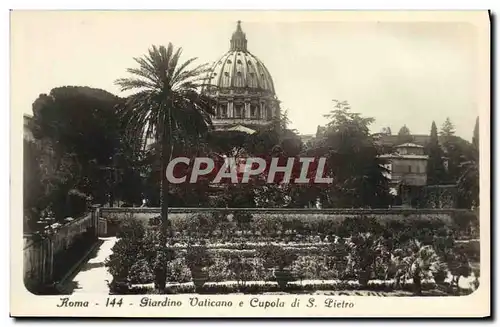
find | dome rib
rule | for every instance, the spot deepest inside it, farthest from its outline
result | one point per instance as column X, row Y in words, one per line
column 261, row 80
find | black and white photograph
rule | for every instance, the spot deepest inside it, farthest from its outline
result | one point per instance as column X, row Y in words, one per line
column 291, row 160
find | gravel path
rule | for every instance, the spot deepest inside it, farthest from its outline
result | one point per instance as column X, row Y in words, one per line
column 93, row 277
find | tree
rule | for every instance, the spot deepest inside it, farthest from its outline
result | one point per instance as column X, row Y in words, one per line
column 81, row 122
column 404, row 135
column 456, row 151
column 435, row 167
column 32, row 186
column 475, row 137
column 48, row 178
column 166, row 99
column 386, row 130
column 468, row 182
column 448, row 129
column 352, row 160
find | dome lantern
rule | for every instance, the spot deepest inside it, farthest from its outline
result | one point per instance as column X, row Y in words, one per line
column 238, row 40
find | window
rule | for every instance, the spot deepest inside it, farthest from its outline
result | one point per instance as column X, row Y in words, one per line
column 238, row 110
column 229, row 61
column 238, row 62
column 269, row 113
column 222, row 111
column 409, row 169
column 226, row 73
column 253, row 111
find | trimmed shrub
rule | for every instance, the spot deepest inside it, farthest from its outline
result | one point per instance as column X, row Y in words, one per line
column 140, row 272
column 131, row 229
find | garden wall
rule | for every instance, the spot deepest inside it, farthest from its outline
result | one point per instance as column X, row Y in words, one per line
column 48, row 256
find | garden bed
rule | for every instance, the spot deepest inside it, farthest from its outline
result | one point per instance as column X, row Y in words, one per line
column 320, row 287
column 282, row 260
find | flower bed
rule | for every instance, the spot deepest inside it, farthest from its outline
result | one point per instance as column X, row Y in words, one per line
column 404, row 252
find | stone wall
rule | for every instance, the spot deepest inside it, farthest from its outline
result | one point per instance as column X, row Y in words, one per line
column 41, row 251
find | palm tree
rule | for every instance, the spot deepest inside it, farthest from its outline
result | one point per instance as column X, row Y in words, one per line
column 420, row 262
column 166, row 101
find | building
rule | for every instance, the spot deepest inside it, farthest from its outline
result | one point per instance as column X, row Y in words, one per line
column 407, row 172
column 243, row 88
column 392, row 140
column 27, row 132
column 408, row 165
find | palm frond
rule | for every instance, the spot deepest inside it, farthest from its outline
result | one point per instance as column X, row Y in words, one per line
column 167, row 95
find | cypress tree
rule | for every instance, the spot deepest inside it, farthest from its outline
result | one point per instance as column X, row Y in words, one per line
column 475, row 137
column 435, row 167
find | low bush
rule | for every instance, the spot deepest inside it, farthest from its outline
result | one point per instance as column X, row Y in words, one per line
column 178, row 271
column 466, row 223
column 140, row 272
column 131, row 229
column 138, row 256
column 292, row 227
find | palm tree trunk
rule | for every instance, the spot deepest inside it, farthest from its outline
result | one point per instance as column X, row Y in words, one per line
column 164, row 131
column 165, row 155
column 417, row 282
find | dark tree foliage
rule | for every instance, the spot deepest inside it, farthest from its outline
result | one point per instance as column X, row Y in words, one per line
column 353, row 161
column 468, row 182
column 457, row 150
column 82, row 122
column 436, row 173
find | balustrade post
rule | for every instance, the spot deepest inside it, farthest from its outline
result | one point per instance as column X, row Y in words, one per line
column 50, row 258
column 96, row 212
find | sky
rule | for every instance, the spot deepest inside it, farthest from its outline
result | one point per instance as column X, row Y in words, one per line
column 399, row 72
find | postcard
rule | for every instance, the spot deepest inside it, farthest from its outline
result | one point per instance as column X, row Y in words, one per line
column 250, row 164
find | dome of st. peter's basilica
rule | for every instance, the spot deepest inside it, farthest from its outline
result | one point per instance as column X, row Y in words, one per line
column 242, row 86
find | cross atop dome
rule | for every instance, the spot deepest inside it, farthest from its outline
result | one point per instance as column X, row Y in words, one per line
column 238, row 40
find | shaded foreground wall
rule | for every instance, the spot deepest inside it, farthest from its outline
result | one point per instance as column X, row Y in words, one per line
column 110, row 217
column 48, row 256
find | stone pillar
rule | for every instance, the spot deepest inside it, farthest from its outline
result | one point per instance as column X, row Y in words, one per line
column 246, row 114
column 99, row 224
column 230, row 112
column 48, row 271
